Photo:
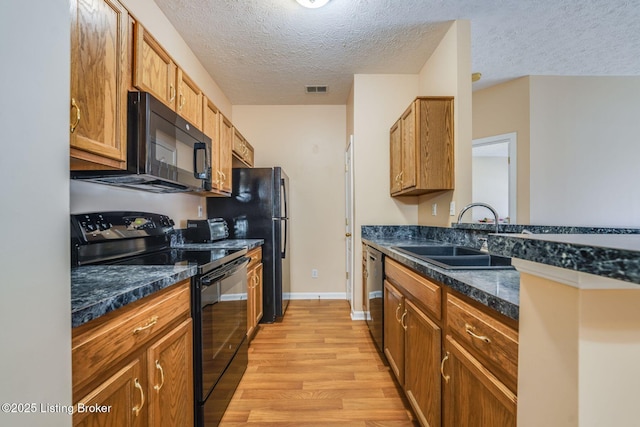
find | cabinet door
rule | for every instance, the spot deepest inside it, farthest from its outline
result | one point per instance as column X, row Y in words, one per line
column 434, row 131
column 393, row 330
column 473, row 396
column 99, row 64
column 422, row 365
column 409, row 159
column 226, row 141
column 395, row 142
column 189, row 100
column 170, row 373
column 258, row 294
column 124, row 396
column 154, row 70
column 211, row 128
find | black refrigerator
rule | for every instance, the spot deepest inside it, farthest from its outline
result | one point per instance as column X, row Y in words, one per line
column 259, row 209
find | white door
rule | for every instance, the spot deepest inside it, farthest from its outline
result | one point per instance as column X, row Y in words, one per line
column 348, row 229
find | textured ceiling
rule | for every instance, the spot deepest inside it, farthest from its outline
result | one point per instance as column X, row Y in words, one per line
column 266, row 51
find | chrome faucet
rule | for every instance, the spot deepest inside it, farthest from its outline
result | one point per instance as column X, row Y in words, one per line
column 469, row 206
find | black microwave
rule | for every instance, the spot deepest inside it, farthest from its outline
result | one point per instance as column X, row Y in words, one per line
column 165, row 153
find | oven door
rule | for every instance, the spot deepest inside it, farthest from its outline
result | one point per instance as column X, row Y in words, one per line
column 223, row 321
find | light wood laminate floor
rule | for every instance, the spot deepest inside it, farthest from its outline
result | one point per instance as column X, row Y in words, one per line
column 316, row 368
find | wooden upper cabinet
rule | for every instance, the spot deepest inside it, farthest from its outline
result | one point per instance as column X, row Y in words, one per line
column 211, row 128
column 395, row 144
column 99, row 84
column 225, row 154
column 242, row 151
column 154, row 70
column 189, row 102
column 426, row 154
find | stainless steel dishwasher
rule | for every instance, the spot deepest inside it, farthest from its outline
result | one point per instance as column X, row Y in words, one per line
column 374, row 285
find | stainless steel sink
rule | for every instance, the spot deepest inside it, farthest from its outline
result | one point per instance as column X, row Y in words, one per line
column 454, row 257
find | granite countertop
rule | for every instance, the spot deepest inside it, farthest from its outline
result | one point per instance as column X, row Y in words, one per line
column 98, row 290
column 497, row 289
column 616, row 256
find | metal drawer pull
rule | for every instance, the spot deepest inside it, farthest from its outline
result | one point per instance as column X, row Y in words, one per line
column 470, row 330
column 149, row 324
column 397, row 310
column 404, row 326
column 172, row 93
column 137, row 409
column 445, row 377
column 159, row 367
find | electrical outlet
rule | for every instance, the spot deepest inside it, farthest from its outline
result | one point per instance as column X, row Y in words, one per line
column 314, row 273
column 452, row 209
column 199, row 211
column 434, row 209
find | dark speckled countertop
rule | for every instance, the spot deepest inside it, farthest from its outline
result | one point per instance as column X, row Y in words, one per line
column 497, row 289
column 616, row 256
column 608, row 252
column 98, row 290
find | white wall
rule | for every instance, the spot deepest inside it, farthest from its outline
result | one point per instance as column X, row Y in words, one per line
column 35, row 309
column 308, row 142
column 585, row 151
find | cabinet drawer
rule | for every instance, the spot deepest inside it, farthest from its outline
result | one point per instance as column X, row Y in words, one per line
column 98, row 345
column 256, row 257
column 424, row 292
column 495, row 343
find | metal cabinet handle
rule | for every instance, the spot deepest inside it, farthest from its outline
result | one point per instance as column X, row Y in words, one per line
column 74, row 125
column 445, row 377
column 397, row 310
column 471, row 331
column 182, row 101
column 149, row 324
column 172, row 93
column 404, row 325
column 159, row 367
column 137, row 409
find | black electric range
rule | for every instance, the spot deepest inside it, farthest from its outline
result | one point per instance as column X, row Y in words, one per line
column 218, row 293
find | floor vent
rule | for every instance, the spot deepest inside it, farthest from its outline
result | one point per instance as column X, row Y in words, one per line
column 316, row 89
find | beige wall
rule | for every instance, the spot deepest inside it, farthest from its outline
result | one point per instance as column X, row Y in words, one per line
column 578, row 351
column 448, row 72
column 378, row 101
column 308, row 142
column 503, row 109
column 584, row 151
column 35, row 300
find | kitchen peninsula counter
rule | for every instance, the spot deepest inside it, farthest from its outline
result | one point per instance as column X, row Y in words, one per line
column 99, row 289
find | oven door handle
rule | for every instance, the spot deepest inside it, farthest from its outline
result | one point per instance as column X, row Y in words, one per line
column 224, row 272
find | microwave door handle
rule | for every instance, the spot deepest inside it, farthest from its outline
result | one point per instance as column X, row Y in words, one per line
column 197, row 147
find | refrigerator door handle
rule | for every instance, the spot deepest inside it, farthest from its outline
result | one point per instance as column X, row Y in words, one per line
column 284, row 246
column 284, row 197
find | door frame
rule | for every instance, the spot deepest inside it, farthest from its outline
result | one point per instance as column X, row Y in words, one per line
column 349, row 217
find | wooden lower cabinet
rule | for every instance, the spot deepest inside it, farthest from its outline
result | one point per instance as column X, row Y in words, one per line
column 121, row 397
column 394, row 342
column 474, row 397
column 423, row 339
column 254, row 291
column 146, row 380
column 170, row 373
column 466, row 379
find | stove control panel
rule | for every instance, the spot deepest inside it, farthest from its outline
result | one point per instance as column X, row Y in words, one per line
column 104, row 226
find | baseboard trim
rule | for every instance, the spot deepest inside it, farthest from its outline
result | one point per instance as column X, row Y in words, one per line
column 358, row 315
column 317, row 295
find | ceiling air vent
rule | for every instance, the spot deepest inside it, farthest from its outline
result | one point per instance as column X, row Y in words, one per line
column 316, row 89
